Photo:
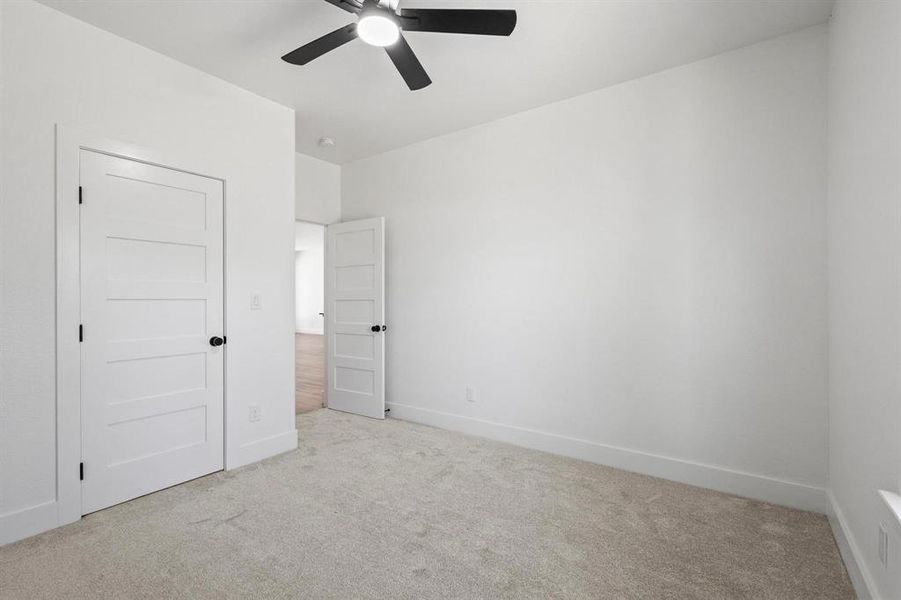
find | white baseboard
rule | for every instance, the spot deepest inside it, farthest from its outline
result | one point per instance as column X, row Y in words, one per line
column 312, row 331
column 257, row 450
column 749, row 485
column 857, row 569
column 33, row 520
column 27, row 522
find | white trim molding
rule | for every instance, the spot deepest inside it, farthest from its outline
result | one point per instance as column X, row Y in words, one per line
column 66, row 507
column 27, row 522
column 892, row 502
column 721, row 479
column 863, row 582
column 257, row 450
column 70, row 141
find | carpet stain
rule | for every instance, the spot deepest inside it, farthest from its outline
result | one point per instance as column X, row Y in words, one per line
column 233, row 517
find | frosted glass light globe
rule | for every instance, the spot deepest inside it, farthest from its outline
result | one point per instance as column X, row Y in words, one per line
column 377, row 30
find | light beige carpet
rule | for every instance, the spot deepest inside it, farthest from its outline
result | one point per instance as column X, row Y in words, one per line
column 369, row 509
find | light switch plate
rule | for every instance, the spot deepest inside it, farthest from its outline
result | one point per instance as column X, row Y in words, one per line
column 256, row 301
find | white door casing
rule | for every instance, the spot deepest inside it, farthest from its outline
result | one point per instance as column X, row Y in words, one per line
column 151, row 245
column 355, row 317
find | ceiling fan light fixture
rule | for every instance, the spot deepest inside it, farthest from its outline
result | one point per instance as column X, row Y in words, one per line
column 378, row 30
column 380, row 23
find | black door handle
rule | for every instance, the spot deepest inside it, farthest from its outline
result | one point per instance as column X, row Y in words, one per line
column 216, row 341
column 378, row 328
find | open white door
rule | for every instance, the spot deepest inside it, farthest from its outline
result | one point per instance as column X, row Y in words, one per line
column 152, row 315
column 355, row 317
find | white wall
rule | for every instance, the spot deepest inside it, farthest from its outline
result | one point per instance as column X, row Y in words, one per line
column 635, row 276
column 318, row 190
column 309, row 277
column 56, row 69
column 864, row 284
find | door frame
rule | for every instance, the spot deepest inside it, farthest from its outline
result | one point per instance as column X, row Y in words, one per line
column 70, row 141
column 324, row 303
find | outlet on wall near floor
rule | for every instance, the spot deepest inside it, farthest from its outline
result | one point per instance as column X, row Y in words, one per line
column 470, row 395
column 883, row 546
column 256, row 413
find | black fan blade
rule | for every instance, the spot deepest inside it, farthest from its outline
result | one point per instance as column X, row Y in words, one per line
column 474, row 21
column 317, row 48
column 409, row 66
column 352, row 6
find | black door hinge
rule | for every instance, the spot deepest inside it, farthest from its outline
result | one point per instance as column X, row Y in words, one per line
column 80, row 199
column 80, row 471
column 80, row 333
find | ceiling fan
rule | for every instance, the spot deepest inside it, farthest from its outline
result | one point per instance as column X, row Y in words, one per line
column 380, row 23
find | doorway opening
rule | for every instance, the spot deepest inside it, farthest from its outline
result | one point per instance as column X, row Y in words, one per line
column 309, row 330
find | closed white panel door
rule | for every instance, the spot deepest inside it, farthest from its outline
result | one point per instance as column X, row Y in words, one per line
column 151, row 300
column 355, row 317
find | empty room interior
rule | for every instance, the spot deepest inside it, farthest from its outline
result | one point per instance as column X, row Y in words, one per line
column 450, row 299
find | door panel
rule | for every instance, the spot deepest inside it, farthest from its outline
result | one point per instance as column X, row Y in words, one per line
column 355, row 301
column 151, row 297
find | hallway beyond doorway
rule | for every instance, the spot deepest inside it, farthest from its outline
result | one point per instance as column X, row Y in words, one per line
column 309, row 373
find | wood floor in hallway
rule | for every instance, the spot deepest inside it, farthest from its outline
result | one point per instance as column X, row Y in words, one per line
column 309, row 375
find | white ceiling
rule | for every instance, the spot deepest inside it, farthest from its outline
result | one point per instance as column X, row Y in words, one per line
column 560, row 48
